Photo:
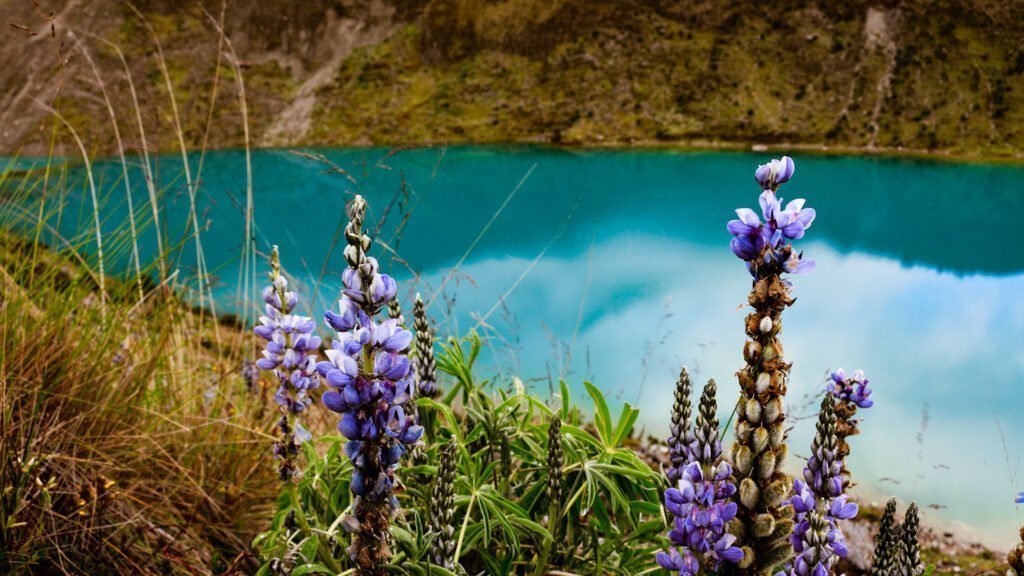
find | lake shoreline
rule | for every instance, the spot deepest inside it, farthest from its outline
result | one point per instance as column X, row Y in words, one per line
column 695, row 146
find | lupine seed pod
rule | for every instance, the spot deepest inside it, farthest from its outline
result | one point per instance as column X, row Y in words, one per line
column 911, row 560
column 1015, row 557
column 442, row 509
column 426, row 368
column 884, row 562
column 680, row 437
column 395, row 312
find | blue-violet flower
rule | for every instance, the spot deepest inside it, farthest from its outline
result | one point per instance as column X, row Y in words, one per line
column 765, row 246
column 290, row 351
column 701, row 503
column 368, row 373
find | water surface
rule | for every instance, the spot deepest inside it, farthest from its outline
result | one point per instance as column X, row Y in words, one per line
column 615, row 267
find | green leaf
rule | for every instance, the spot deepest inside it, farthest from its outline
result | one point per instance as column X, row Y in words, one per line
column 602, row 416
column 626, row 421
column 311, row 568
column 566, row 399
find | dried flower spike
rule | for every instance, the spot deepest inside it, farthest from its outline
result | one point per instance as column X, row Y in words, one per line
column 1016, row 556
column 759, row 452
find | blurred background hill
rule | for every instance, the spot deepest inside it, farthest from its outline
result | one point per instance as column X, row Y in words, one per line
column 941, row 75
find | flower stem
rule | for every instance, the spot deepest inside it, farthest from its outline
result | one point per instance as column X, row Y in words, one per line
column 322, row 549
column 465, row 524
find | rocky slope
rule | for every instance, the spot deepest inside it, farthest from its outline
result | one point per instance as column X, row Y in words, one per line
column 924, row 75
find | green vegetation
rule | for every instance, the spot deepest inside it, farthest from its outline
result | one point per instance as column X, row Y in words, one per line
column 503, row 521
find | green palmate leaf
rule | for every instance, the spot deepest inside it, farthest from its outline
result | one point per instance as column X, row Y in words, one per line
column 583, row 436
column 602, row 416
column 645, row 507
column 404, row 537
column 566, row 399
column 446, row 410
column 625, row 426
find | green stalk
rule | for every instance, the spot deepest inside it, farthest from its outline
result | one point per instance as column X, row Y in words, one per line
column 465, row 524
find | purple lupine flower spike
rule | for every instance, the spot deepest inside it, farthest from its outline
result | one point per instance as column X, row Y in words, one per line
column 680, row 435
column 369, row 376
column 290, row 352
column 426, row 377
column 819, row 503
column 851, row 392
column 701, row 503
column 765, row 246
column 816, row 554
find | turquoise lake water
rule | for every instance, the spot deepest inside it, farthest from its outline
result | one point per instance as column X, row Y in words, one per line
column 614, row 266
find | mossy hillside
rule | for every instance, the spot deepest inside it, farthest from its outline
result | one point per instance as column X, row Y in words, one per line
column 919, row 76
column 927, row 80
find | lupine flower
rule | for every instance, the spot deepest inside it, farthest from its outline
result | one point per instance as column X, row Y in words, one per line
column 367, row 371
column 291, row 345
column 887, row 543
column 816, row 554
column 765, row 246
column 679, row 562
column 555, row 461
column 701, row 503
column 680, row 436
column 395, row 312
column 851, row 393
column 823, row 465
column 426, row 376
column 290, row 352
column 819, row 499
column 442, row 509
column 853, row 389
column 774, row 173
column 910, row 561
